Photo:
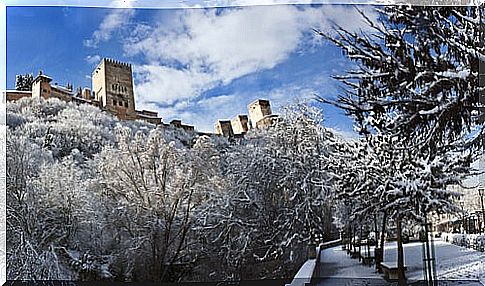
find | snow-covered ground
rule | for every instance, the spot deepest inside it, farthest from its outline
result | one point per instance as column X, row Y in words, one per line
column 454, row 264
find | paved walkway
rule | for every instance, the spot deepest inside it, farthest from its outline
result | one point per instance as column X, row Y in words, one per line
column 337, row 268
column 454, row 265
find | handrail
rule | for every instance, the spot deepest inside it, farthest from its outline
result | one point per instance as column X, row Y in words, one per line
column 311, row 268
column 305, row 274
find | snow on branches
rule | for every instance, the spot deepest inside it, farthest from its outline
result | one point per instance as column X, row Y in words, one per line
column 93, row 198
column 416, row 75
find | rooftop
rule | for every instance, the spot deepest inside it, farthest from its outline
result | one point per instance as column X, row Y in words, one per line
column 49, row 79
column 18, row 91
column 61, row 88
column 260, row 102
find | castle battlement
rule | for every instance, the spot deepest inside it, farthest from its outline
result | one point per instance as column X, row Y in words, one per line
column 118, row 63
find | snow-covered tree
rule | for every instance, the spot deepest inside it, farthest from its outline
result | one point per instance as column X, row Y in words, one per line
column 92, row 198
column 280, row 195
column 24, row 82
column 152, row 187
column 415, row 83
column 24, row 258
column 416, row 74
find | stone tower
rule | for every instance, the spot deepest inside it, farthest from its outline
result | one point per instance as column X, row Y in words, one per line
column 240, row 124
column 224, row 128
column 112, row 84
column 41, row 86
column 258, row 110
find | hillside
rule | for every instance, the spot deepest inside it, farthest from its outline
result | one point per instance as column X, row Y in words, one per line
column 91, row 197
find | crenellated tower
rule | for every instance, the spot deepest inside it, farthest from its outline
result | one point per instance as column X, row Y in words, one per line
column 112, row 84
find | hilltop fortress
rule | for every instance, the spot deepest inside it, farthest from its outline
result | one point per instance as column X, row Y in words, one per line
column 112, row 91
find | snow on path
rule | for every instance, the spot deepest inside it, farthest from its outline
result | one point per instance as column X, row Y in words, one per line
column 337, row 268
column 457, row 265
column 334, row 262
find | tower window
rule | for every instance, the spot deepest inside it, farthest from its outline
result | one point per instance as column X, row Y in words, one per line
column 120, row 103
column 114, row 102
column 126, row 104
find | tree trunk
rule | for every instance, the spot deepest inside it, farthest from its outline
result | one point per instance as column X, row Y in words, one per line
column 376, row 231
column 349, row 249
column 360, row 242
column 400, row 255
column 351, row 237
column 383, row 235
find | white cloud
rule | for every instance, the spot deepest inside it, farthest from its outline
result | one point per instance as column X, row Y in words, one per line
column 205, row 49
column 190, row 51
column 238, row 3
column 196, row 50
column 113, row 21
column 162, row 84
column 348, row 135
column 92, row 59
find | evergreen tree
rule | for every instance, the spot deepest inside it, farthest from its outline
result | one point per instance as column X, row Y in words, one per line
column 24, row 82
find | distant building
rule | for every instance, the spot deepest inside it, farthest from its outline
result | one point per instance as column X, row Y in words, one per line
column 112, row 84
column 86, row 94
column 148, row 116
column 240, row 124
column 224, row 128
column 113, row 91
column 258, row 110
column 41, row 87
column 266, row 121
column 260, row 116
column 12, row 95
column 178, row 124
column 470, row 219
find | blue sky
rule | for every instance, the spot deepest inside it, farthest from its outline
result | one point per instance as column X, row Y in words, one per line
column 198, row 65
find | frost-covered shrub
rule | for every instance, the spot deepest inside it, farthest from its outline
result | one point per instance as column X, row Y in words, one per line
column 14, row 120
column 51, row 198
column 91, row 197
column 33, row 109
column 150, row 185
column 458, row 239
column 480, row 242
column 60, row 127
column 276, row 198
